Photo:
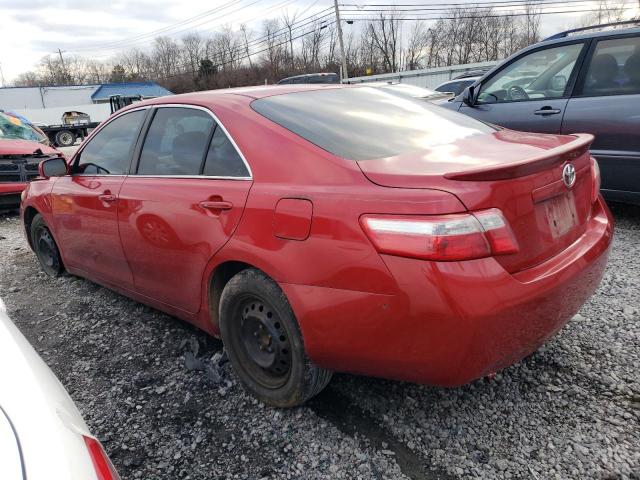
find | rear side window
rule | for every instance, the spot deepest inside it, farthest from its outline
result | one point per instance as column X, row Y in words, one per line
column 614, row 68
column 176, row 142
column 361, row 123
column 109, row 151
column 323, row 79
column 223, row 160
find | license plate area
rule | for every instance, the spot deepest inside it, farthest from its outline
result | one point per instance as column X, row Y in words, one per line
column 561, row 214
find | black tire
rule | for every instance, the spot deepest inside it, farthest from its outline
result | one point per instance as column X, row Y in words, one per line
column 45, row 247
column 264, row 344
column 65, row 138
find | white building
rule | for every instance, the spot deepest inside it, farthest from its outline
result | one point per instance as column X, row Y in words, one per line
column 45, row 105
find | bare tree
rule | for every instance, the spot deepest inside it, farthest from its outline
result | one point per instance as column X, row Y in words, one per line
column 385, row 34
column 238, row 57
column 165, row 56
column 275, row 53
column 417, row 46
column 246, row 37
column 192, row 50
column 289, row 21
column 607, row 11
column 311, row 44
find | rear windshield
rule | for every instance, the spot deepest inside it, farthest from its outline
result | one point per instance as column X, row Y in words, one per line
column 365, row 123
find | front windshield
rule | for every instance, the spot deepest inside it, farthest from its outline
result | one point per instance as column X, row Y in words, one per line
column 14, row 128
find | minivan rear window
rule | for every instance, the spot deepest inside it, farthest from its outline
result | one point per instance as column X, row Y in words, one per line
column 363, row 123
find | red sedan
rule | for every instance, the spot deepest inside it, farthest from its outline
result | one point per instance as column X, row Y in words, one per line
column 323, row 228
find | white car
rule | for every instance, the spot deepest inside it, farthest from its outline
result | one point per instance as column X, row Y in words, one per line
column 456, row 86
column 42, row 434
column 408, row 90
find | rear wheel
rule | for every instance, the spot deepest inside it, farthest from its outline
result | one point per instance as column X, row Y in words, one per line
column 65, row 138
column 265, row 347
column 45, row 247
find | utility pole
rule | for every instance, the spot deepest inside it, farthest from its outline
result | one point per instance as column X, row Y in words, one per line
column 65, row 76
column 345, row 74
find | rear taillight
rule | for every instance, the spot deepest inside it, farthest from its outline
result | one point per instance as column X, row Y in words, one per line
column 443, row 237
column 101, row 463
column 497, row 231
column 595, row 180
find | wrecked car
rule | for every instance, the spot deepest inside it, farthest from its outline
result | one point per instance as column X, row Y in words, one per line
column 21, row 150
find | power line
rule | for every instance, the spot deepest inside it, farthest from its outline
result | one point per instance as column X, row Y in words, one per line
column 543, row 7
column 280, row 33
column 416, row 18
column 554, row 3
column 462, row 4
column 154, row 33
column 239, row 59
column 318, row 17
column 471, row 6
column 262, row 13
column 120, row 44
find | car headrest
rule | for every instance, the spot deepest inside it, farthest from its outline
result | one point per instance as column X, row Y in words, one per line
column 189, row 141
column 632, row 66
column 604, row 67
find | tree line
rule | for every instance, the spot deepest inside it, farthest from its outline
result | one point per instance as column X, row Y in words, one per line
column 288, row 46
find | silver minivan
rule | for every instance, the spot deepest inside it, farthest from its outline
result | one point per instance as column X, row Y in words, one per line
column 571, row 84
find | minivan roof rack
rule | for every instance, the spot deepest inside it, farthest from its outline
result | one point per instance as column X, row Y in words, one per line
column 592, row 27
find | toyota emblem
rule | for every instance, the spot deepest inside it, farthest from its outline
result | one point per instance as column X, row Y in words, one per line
column 569, row 175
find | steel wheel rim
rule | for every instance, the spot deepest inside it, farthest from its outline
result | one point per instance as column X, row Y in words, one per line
column 47, row 251
column 65, row 138
column 262, row 342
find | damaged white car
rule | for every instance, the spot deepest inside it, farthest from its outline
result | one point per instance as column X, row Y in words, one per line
column 42, row 434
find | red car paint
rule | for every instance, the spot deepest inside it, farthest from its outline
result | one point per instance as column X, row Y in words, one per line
column 16, row 147
column 360, row 311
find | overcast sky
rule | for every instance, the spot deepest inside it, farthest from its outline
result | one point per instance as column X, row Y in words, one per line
column 32, row 29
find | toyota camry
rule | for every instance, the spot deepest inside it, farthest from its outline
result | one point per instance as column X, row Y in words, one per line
column 331, row 228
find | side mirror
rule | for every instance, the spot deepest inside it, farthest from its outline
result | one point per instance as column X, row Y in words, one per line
column 52, row 167
column 468, row 96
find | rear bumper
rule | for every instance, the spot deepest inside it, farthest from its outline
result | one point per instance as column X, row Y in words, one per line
column 451, row 322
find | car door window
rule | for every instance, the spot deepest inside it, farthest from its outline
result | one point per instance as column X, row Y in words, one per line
column 109, row 151
column 538, row 75
column 176, row 142
column 223, row 160
column 614, row 68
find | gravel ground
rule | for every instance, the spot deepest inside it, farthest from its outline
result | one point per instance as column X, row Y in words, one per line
column 166, row 406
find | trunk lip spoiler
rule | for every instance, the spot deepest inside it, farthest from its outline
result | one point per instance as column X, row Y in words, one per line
column 567, row 152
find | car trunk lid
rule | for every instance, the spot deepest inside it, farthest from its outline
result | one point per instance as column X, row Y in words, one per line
column 519, row 173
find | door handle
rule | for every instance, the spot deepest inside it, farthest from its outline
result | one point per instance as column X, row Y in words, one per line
column 547, row 111
column 216, row 205
column 107, row 197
